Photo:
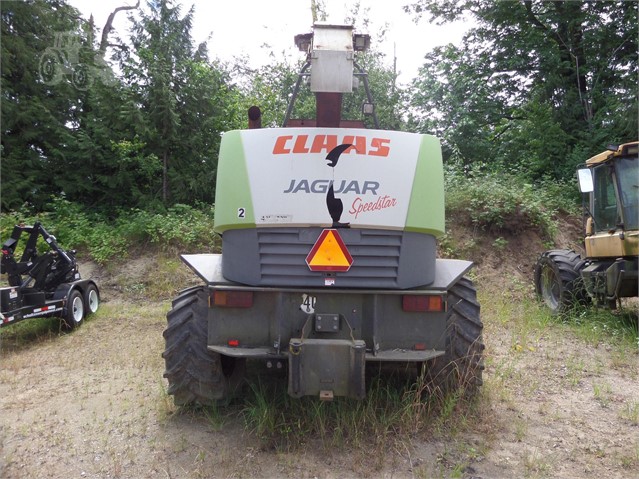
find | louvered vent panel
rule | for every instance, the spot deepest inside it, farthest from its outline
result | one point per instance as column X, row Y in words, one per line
column 283, row 252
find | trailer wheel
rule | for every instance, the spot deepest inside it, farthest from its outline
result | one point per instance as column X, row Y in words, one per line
column 558, row 280
column 460, row 368
column 196, row 376
column 91, row 299
column 75, row 310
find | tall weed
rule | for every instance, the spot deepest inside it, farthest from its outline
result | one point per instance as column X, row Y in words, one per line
column 396, row 407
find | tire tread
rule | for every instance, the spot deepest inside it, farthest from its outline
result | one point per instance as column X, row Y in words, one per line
column 194, row 373
column 461, row 367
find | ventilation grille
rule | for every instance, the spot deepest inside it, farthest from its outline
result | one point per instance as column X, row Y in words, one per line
column 283, row 252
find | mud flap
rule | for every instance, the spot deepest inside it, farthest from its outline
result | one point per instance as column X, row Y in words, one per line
column 326, row 368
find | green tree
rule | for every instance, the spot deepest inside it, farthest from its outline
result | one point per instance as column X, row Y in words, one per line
column 39, row 99
column 184, row 100
column 389, row 97
column 565, row 70
column 205, row 111
column 162, row 46
column 62, row 112
column 270, row 88
column 106, row 165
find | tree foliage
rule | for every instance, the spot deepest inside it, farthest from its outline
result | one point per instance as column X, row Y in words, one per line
column 176, row 89
column 35, row 114
column 147, row 137
column 536, row 86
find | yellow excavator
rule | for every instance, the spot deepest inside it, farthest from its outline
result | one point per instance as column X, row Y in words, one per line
column 608, row 272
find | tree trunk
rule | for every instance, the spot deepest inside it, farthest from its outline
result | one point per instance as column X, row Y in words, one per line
column 165, row 177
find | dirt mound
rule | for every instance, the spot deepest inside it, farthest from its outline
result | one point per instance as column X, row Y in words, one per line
column 501, row 255
column 150, row 277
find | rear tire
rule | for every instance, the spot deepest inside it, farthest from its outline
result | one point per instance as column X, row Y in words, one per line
column 558, row 281
column 460, row 368
column 75, row 311
column 196, row 376
column 91, row 299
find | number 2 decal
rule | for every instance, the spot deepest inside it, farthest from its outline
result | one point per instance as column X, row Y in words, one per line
column 241, row 213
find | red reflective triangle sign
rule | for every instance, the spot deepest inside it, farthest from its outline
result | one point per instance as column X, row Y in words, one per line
column 329, row 253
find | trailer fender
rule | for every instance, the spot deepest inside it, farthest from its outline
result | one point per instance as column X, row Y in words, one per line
column 64, row 289
column 448, row 272
column 206, row 266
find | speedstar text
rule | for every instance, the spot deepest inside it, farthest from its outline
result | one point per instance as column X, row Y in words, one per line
column 361, row 206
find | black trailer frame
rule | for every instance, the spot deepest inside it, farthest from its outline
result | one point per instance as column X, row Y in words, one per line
column 42, row 285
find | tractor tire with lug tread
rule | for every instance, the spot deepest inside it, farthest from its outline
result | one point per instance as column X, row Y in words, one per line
column 75, row 311
column 460, row 368
column 558, row 281
column 196, row 375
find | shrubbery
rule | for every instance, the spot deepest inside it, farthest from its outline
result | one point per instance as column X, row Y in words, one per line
column 501, row 203
column 506, row 203
column 179, row 227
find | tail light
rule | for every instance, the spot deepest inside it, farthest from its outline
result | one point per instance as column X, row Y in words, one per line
column 233, row 299
column 423, row 303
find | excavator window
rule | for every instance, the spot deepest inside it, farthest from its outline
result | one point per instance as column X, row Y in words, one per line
column 628, row 176
column 605, row 210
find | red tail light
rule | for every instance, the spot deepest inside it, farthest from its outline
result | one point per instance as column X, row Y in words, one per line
column 233, row 299
column 422, row 303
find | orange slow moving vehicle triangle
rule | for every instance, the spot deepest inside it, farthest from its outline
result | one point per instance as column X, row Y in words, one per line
column 329, row 253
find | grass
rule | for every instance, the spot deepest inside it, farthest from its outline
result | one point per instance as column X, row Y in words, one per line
column 535, row 344
column 631, row 459
column 536, row 464
column 395, row 411
column 528, row 321
column 595, row 325
column 165, row 406
column 602, row 393
column 279, row 420
column 29, row 332
column 575, row 367
column 630, row 412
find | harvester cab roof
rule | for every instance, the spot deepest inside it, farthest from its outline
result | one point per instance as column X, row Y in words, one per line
column 615, row 151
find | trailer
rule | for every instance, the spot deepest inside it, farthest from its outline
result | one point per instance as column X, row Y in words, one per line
column 43, row 285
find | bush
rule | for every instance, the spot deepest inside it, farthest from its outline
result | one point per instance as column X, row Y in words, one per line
column 506, row 203
column 103, row 239
column 501, row 203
